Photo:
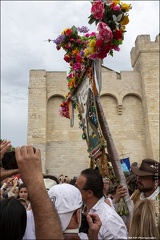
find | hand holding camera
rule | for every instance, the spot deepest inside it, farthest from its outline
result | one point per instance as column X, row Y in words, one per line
column 95, row 224
column 4, row 146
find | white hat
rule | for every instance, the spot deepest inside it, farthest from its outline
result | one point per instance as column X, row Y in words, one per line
column 49, row 183
column 66, row 198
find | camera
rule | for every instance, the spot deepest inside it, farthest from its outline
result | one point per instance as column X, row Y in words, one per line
column 84, row 224
column 9, row 160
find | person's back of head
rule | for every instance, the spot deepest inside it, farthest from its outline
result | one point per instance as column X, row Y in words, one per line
column 94, row 181
column 67, row 200
column 73, row 181
column 145, row 220
column 13, row 219
column 50, row 181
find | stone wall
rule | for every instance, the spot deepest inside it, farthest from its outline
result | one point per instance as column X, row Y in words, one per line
column 130, row 101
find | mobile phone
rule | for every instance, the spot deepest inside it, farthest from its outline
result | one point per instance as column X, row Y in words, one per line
column 84, row 224
column 9, row 160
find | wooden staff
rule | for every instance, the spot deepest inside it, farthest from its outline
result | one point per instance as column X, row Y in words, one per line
column 112, row 151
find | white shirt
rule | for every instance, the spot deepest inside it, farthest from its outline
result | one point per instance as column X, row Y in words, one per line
column 112, row 227
column 153, row 196
column 30, row 227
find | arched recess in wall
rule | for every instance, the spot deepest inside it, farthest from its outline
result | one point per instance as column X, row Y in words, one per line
column 109, row 105
column 65, row 146
column 133, row 125
column 56, row 124
column 132, row 108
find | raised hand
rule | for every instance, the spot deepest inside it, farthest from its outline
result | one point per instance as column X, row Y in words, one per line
column 94, row 225
column 4, row 146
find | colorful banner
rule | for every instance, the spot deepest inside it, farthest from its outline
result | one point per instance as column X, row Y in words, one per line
column 89, row 123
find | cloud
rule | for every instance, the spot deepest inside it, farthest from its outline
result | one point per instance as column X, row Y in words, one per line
column 25, row 25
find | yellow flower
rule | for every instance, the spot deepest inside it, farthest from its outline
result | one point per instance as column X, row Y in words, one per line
column 125, row 20
column 116, row 2
column 66, row 95
column 71, row 84
column 122, row 29
column 92, row 43
column 64, row 30
column 86, row 52
column 126, row 7
column 91, row 48
column 75, row 51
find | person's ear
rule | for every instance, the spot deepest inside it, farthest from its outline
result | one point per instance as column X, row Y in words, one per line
column 78, row 216
column 90, row 193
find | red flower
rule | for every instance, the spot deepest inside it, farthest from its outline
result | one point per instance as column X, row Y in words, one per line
column 68, row 32
column 58, row 47
column 99, row 43
column 117, row 34
column 78, row 58
column 67, row 58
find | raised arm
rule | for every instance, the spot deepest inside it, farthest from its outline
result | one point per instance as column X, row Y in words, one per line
column 4, row 146
column 47, row 223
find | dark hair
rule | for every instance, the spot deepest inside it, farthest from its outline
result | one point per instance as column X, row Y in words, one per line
column 94, row 182
column 22, row 185
column 51, row 177
column 73, row 181
column 13, row 219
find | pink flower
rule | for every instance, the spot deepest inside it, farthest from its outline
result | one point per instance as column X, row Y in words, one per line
column 70, row 76
column 97, row 10
column 104, row 32
column 116, row 8
column 79, row 41
column 93, row 56
column 77, row 66
column 83, row 68
column 68, row 45
column 92, row 34
column 116, row 48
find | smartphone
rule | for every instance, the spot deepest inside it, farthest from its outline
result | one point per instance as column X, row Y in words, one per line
column 84, row 224
column 9, row 160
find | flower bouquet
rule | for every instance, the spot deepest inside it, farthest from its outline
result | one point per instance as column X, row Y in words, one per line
column 81, row 47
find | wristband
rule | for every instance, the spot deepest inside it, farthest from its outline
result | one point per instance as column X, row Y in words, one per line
column 4, row 186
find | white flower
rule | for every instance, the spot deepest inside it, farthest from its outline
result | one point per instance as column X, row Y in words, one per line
column 117, row 18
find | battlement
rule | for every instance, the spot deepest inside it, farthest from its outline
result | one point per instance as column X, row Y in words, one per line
column 143, row 44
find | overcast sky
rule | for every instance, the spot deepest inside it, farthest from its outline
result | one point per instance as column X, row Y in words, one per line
column 25, row 25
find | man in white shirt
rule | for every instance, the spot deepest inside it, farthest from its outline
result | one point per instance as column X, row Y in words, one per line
column 90, row 183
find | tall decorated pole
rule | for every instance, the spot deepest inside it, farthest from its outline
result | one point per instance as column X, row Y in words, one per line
column 85, row 52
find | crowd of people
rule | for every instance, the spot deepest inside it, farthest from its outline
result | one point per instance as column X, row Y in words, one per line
column 38, row 206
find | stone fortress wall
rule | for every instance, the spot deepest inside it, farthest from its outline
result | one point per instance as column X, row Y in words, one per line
column 130, row 101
